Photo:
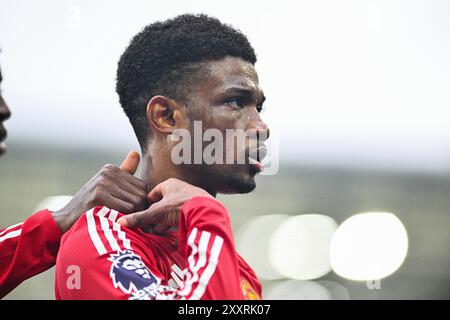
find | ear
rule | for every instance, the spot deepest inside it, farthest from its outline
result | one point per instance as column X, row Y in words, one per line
column 165, row 114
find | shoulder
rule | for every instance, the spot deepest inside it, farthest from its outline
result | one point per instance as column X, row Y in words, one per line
column 104, row 255
column 97, row 230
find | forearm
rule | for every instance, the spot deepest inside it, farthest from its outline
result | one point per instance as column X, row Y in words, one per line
column 27, row 250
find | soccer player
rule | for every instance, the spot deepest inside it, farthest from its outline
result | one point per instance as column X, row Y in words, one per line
column 29, row 248
column 186, row 69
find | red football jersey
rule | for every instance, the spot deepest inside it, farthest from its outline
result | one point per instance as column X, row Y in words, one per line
column 99, row 259
column 27, row 249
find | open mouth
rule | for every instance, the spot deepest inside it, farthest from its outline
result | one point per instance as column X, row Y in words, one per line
column 2, row 147
column 256, row 157
column 3, row 133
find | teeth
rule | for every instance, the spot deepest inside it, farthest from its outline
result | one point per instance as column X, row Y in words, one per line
column 255, row 162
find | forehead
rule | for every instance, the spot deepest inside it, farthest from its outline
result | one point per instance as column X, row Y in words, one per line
column 231, row 71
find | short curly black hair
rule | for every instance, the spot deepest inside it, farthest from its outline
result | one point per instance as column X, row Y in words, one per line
column 165, row 57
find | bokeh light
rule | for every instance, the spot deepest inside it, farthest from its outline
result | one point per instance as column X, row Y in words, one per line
column 299, row 247
column 368, row 246
column 252, row 242
column 297, row 290
column 336, row 291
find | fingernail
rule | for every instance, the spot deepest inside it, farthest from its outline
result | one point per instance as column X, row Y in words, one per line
column 123, row 222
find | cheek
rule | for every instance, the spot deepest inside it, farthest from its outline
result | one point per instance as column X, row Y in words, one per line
column 221, row 118
column 225, row 119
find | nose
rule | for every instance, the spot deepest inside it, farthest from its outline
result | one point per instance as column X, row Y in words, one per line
column 259, row 129
column 5, row 113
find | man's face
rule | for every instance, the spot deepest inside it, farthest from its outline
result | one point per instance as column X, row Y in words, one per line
column 4, row 114
column 230, row 99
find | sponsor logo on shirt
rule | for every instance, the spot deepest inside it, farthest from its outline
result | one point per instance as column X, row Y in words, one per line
column 129, row 273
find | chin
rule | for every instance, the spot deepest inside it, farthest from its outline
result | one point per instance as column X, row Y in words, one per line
column 238, row 187
column 236, row 181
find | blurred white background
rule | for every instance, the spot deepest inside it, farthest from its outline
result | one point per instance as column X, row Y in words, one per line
column 349, row 83
column 359, row 92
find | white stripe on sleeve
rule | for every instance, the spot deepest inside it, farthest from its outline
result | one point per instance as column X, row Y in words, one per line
column 113, row 215
column 209, row 271
column 92, row 228
column 109, row 234
column 9, row 228
column 201, row 262
column 11, row 235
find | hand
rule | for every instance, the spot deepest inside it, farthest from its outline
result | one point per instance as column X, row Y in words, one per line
column 167, row 198
column 114, row 187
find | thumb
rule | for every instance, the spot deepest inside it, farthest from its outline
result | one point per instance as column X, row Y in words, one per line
column 134, row 220
column 156, row 214
column 131, row 162
column 141, row 219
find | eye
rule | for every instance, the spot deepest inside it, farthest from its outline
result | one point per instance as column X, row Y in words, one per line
column 235, row 102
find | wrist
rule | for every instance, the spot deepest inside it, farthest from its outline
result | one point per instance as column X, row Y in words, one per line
column 63, row 219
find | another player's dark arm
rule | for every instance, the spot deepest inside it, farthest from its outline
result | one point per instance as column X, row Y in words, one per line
column 114, row 187
column 30, row 248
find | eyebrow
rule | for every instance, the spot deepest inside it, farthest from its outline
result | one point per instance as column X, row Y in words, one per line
column 259, row 95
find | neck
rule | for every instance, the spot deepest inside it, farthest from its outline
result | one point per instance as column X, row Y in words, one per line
column 158, row 168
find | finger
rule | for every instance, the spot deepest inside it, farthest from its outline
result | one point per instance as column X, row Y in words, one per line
column 124, row 184
column 118, row 204
column 121, row 177
column 135, row 220
column 162, row 215
column 131, row 163
column 156, row 214
column 139, row 202
column 132, row 180
column 157, row 193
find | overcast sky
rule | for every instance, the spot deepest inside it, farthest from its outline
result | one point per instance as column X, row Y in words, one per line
column 354, row 83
